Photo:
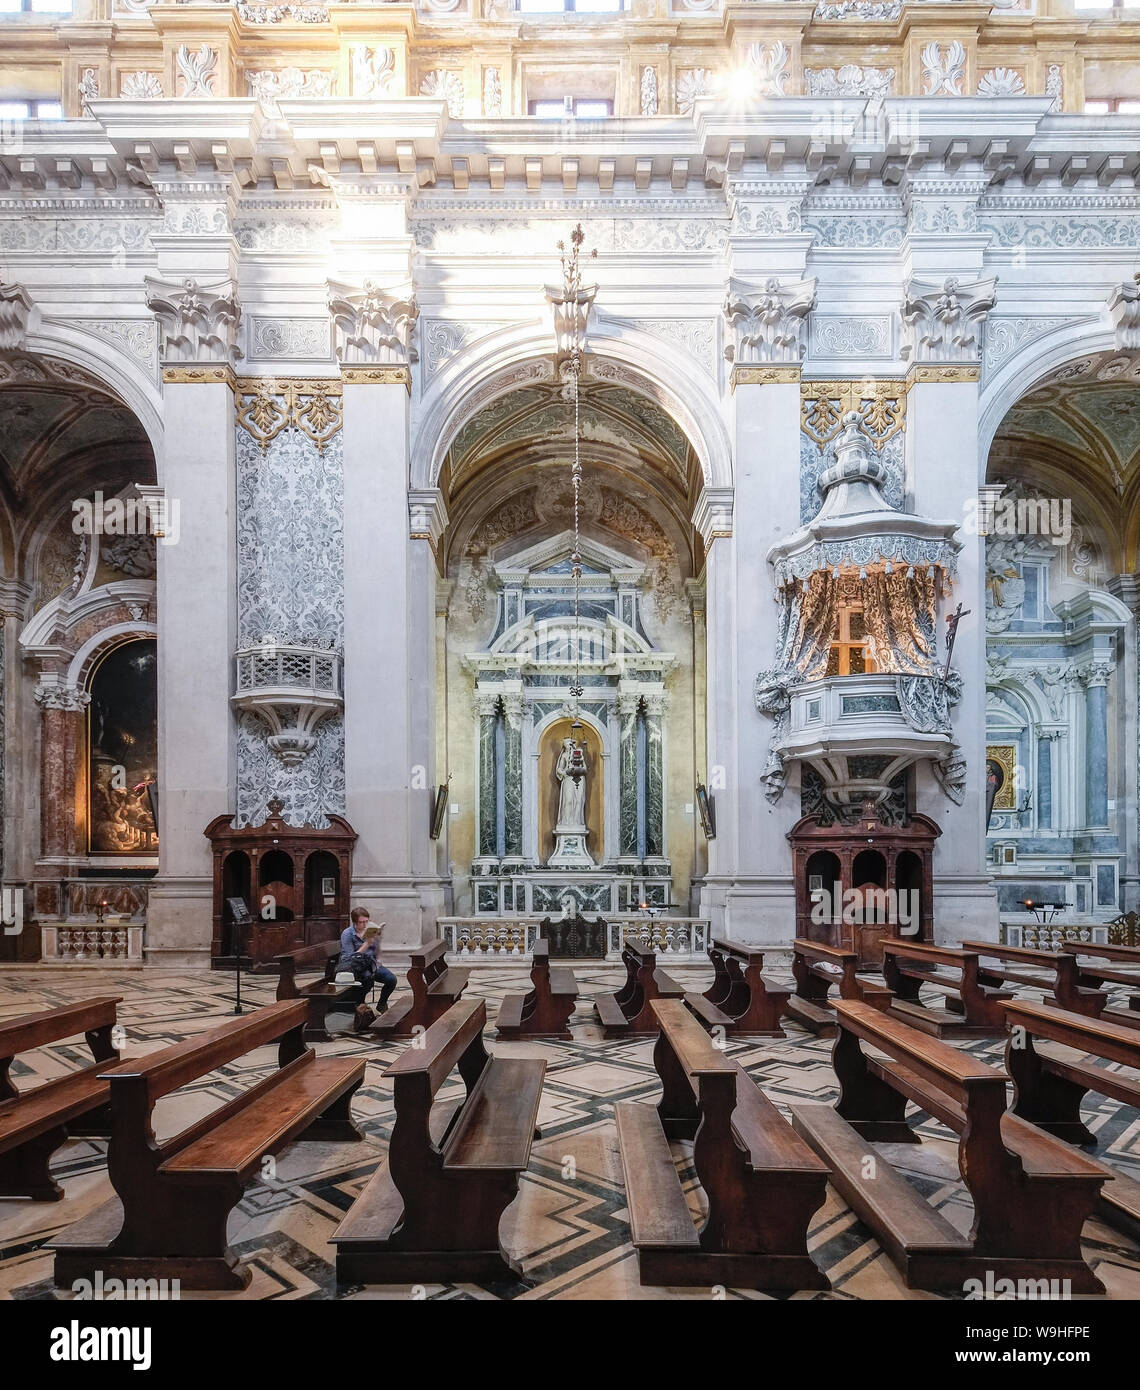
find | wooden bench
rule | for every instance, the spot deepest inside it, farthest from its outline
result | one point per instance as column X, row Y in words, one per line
column 34, row 1123
column 544, row 1011
column 628, row 1011
column 1048, row 1089
column 435, row 987
column 1061, row 978
column 740, row 999
column 323, row 994
column 174, row 1198
column 432, row 1210
column 973, row 1010
column 762, row 1183
column 817, row 969
column 1097, row 976
column 1031, row 1193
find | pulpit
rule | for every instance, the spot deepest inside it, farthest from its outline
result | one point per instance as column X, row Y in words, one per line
column 295, row 880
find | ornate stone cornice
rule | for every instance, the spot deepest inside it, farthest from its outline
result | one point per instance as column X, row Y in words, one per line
column 198, row 376
column 427, row 515
column 768, row 320
column 15, row 310
column 1124, row 310
column 197, row 324
column 942, row 323
column 377, row 376
column 764, row 376
column 372, row 325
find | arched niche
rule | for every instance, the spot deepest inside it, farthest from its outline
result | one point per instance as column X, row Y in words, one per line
column 549, row 745
column 122, row 749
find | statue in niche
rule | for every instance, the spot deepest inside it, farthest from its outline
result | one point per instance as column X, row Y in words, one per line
column 571, row 773
column 570, row 831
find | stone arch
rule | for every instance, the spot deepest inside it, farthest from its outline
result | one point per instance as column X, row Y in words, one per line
column 497, row 364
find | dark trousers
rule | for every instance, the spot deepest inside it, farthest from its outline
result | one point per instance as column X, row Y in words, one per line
column 387, row 982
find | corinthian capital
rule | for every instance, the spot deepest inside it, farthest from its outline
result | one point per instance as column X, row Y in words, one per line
column 768, row 320
column 373, row 325
column 942, row 323
column 56, row 695
column 197, row 324
column 15, row 309
column 1124, row 310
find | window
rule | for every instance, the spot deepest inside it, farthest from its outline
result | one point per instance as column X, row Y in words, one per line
column 31, row 111
column 35, row 6
column 852, row 652
column 582, row 108
column 566, row 6
column 1107, row 106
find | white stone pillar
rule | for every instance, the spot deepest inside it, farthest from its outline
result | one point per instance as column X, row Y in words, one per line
column 196, row 633
column 748, row 890
column 942, row 416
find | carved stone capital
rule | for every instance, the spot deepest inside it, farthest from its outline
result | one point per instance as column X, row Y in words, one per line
column 373, row 325
column 942, row 323
column 768, row 320
column 1124, row 310
column 1094, row 673
column 712, row 515
column 486, row 703
column 197, row 324
column 51, row 695
column 15, row 310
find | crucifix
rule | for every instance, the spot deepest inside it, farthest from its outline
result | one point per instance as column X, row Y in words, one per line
column 952, row 621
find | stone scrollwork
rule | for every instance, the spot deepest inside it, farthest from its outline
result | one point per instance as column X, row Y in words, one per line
column 142, row 86
column 492, row 92
column 649, row 91
column 266, row 406
column 1001, row 82
column 197, row 323
column 851, row 80
column 693, row 83
column 373, row 325
column 943, row 72
column 1124, row 310
column 373, row 69
column 441, row 82
column 768, row 63
column 768, row 320
column 15, row 309
column 943, row 323
column 270, row 85
column 196, row 70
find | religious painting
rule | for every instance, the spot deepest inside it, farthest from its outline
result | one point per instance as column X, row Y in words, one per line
column 1001, row 776
column 122, row 725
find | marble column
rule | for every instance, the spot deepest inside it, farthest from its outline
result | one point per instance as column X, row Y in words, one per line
column 654, row 783
column 1045, row 781
column 487, row 710
column 748, row 890
column 512, row 777
column 1126, row 587
column 62, row 746
column 1095, row 677
column 628, row 707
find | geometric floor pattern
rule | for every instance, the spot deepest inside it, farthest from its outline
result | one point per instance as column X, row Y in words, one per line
column 569, row 1226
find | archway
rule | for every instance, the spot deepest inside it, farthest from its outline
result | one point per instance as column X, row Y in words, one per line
column 1061, row 599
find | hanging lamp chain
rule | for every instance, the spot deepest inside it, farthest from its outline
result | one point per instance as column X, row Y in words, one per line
column 572, row 285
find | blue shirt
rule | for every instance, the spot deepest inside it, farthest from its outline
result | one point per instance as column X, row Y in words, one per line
column 350, row 943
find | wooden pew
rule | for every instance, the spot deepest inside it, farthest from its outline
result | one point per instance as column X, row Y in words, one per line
column 1031, row 1193
column 544, row 1011
column 1048, row 1089
column 323, row 994
column 973, row 1010
column 629, row 1011
column 35, row 1122
column 168, row 1219
column 1096, row 975
column 761, row 1181
column 1060, row 979
column 435, row 987
column 740, row 999
column 817, row 969
column 432, row 1210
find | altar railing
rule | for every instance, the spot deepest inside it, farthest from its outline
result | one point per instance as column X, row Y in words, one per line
column 484, row 940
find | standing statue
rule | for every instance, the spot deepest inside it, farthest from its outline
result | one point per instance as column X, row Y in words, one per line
column 571, row 773
column 570, row 830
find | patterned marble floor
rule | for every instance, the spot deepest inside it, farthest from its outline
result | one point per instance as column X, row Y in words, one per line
column 569, row 1225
